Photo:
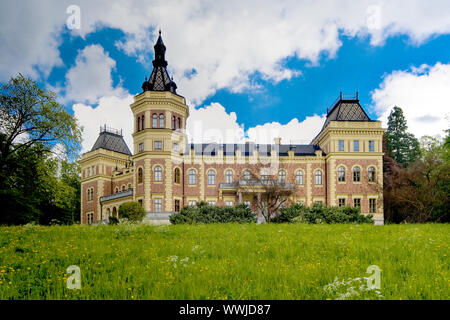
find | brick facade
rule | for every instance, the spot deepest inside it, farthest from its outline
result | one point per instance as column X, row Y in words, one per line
column 111, row 174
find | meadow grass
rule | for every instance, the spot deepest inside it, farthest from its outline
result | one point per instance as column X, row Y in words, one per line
column 228, row 261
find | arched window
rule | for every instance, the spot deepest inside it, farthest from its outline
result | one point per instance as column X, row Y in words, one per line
column 89, row 194
column 299, row 177
column 139, row 124
column 129, row 186
column 140, row 175
column 123, row 188
column 211, row 177
column 174, row 123
column 341, row 174
column 177, row 175
column 157, row 174
column 117, row 190
column 372, row 175
column 192, row 177
column 161, row 121
column 179, row 123
column 247, row 175
column 143, row 123
column 154, row 120
column 318, row 177
column 282, row 176
column 356, row 174
column 229, row 176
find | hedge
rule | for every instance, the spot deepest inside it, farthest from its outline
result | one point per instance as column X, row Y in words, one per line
column 205, row 213
column 321, row 214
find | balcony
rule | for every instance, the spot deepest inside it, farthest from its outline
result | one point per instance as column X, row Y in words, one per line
column 118, row 195
column 255, row 183
column 227, row 186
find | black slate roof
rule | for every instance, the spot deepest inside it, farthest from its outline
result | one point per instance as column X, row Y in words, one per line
column 345, row 108
column 249, row 148
column 159, row 79
column 111, row 141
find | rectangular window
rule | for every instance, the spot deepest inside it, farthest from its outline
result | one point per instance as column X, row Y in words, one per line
column 341, row 202
column 356, row 145
column 90, row 218
column 341, row 145
column 192, row 202
column 371, row 145
column 372, row 205
column 140, row 202
column 176, row 147
column 318, row 203
column 229, row 203
column 300, row 203
column 141, row 147
column 212, row 203
column 158, row 145
column 247, row 203
column 357, row 202
column 177, row 205
column 158, row 205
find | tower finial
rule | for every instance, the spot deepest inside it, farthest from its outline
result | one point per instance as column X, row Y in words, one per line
column 159, row 31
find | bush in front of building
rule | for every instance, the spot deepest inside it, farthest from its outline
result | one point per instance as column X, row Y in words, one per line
column 113, row 220
column 321, row 214
column 205, row 213
column 132, row 211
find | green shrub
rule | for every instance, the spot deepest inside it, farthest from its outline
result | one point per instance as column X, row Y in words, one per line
column 113, row 220
column 321, row 214
column 204, row 213
column 132, row 211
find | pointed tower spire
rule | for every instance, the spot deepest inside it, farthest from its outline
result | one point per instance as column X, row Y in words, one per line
column 159, row 79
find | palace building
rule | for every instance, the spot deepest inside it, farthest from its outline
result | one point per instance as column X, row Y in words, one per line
column 342, row 165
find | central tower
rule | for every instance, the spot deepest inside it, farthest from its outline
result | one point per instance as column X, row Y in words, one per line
column 159, row 136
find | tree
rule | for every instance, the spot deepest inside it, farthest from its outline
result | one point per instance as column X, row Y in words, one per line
column 273, row 193
column 132, row 211
column 401, row 145
column 35, row 185
column 419, row 193
column 31, row 115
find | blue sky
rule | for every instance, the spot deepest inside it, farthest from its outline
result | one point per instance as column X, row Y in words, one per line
column 240, row 67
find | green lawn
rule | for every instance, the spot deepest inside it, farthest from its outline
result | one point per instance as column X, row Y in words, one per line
column 230, row 261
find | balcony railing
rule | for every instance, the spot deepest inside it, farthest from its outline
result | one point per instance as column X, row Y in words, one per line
column 343, row 97
column 255, row 183
column 118, row 195
column 227, row 186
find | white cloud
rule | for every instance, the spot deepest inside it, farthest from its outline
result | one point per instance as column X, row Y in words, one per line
column 90, row 78
column 224, row 41
column 29, row 38
column 213, row 124
column 422, row 93
column 115, row 112
column 294, row 131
